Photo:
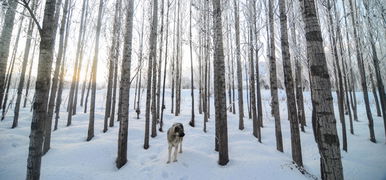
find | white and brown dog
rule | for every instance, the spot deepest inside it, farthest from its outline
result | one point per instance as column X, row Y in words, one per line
column 175, row 137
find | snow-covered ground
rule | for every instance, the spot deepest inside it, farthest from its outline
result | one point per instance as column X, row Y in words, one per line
column 71, row 157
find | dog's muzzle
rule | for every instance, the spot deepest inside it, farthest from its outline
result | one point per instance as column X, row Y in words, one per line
column 182, row 134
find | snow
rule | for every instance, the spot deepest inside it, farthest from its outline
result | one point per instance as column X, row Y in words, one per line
column 72, row 157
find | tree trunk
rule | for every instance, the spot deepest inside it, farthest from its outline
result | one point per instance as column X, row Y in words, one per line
column 323, row 119
column 219, row 85
column 350, row 83
column 273, row 80
column 90, row 132
column 191, row 123
column 166, row 61
column 24, row 67
column 79, row 56
column 381, row 88
column 178, row 62
column 62, row 71
column 125, row 88
column 10, row 72
column 298, row 76
column 256, row 126
column 54, row 86
column 152, row 57
column 112, row 61
column 362, row 74
column 160, row 62
column 289, row 87
column 239, row 68
column 375, row 93
column 42, row 86
column 339, row 73
column 258, row 92
column 70, row 107
column 5, row 41
column 345, row 79
column 30, row 72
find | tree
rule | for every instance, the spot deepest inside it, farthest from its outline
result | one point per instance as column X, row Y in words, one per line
column 154, row 74
column 273, row 79
column 54, row 86
column 62, row 70
column 339, row 80
column 160, row 61
column 289, row 87
column 30, row 72
column 24, row 66
column 219, row 85
column 256, row 126
column 42, row 86
column 5, row 40
column 70, row 107
column 323, row 120
column 166, row 63
column 351, row 77
column 11, row 68
column 239, row 68
column 362, row 73
column 191, row 123
column 112, row 61
column 90, row 133
column 258, row 92
column 125, row 88
column 152, row 57
column 298, row 74
column 381, row 87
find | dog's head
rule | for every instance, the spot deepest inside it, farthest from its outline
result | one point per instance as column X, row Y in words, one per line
column 178, row 129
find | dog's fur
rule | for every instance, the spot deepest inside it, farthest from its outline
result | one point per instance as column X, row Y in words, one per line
column 175, row 137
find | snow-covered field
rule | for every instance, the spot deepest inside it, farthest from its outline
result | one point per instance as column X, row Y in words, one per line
column 71, row 157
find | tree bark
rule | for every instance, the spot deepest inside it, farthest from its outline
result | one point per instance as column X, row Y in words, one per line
column 339, row 81
column 42, row 86
column 239, row 68
column 10, row 71
column 289, row 84
column 62, row 71
column 273, row 80
column 24, row 67
column 191, row 123
column 323, row 120
column 152, row 57
column 362, row 74
column 381, row 87
column 112, row 61
column 90, row 132
column 5, row 41
column 219, row 85
column 166, row 61
column 70, row 107
column 125, row 88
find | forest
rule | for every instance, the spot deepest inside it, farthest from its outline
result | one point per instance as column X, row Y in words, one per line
column 250, row 89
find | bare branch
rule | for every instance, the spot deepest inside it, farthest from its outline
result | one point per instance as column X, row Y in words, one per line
column 25, row 4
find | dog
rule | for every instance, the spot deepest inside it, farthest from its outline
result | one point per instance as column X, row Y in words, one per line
column 175, row 136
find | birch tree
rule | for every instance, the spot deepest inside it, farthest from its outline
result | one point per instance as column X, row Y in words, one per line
column 323, row 120
column 125, row 87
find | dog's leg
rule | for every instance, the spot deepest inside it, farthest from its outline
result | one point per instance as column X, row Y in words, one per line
column 181, row 146
column 175, row 153
column 170, row 152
